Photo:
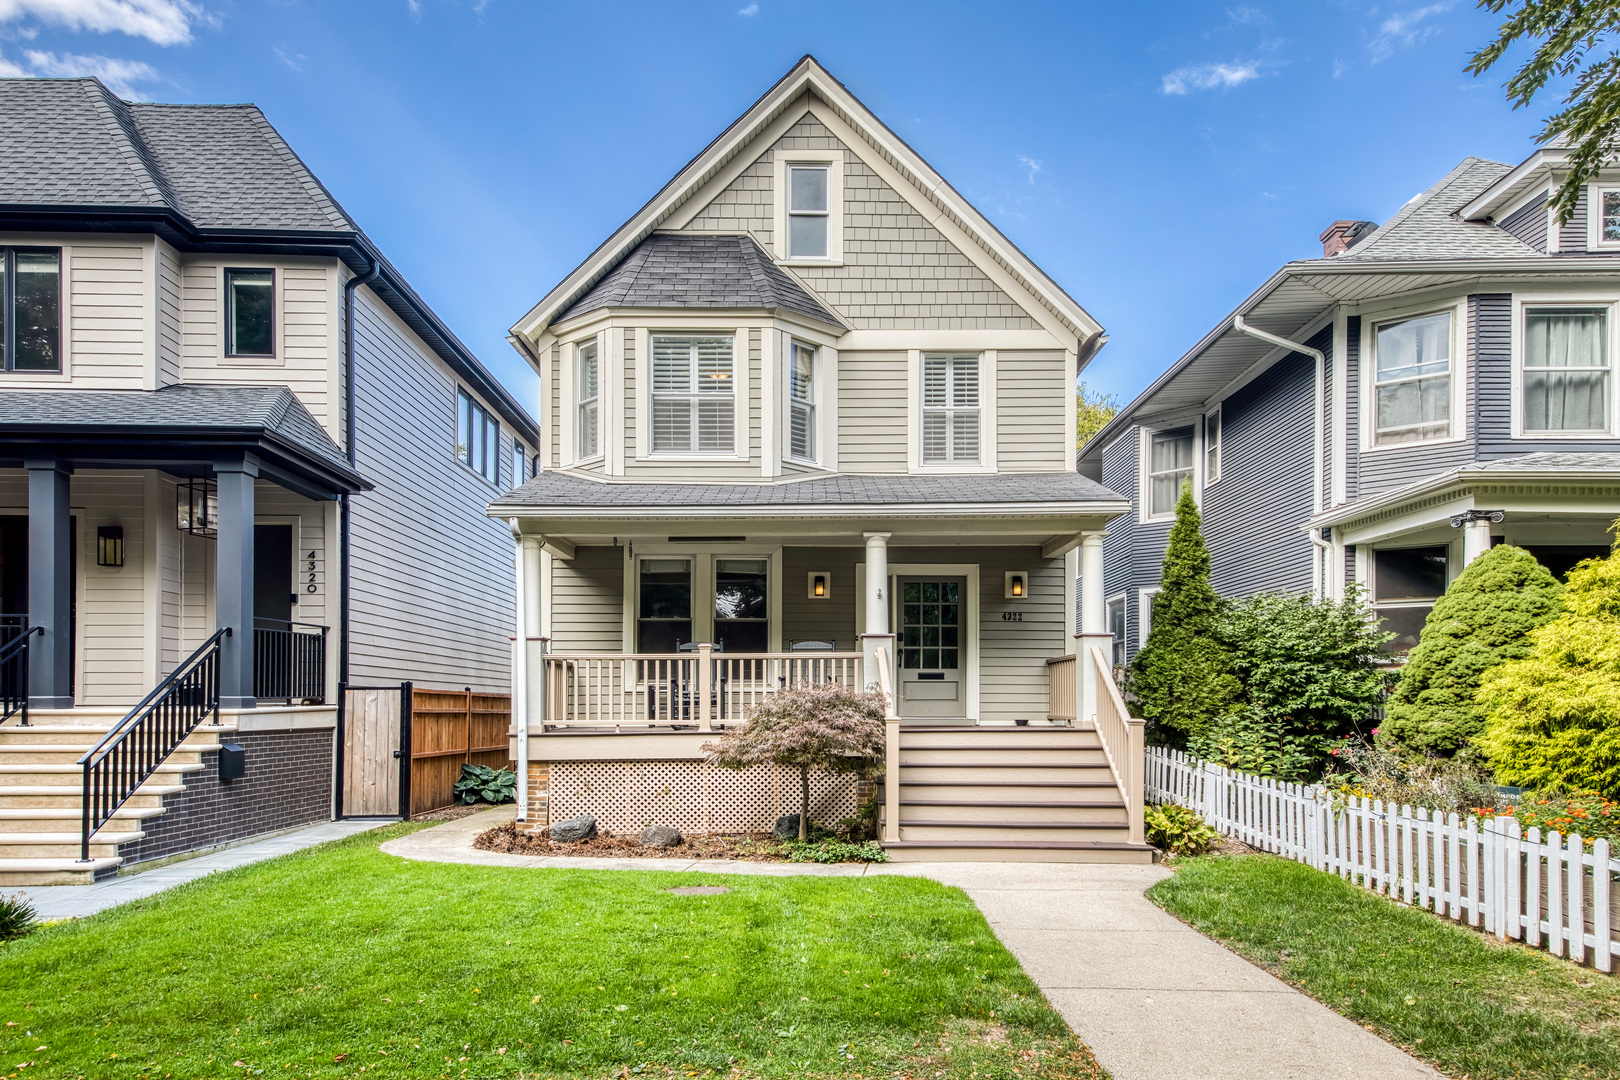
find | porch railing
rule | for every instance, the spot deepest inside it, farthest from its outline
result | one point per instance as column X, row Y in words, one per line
column 289, row 662
column 15, row 634
column 1123, row 743
column 697, row 690
column 132, row 751
column 1061, row 693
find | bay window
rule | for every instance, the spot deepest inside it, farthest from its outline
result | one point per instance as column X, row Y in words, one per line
column 1412, row 380
column 1170, row 465
column 588, row 383
column 693, row 395
column 951, row 405
column 802, row 402
column 1564, row 382
column 31, row 311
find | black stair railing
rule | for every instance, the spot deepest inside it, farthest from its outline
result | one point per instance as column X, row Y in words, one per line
column 289, row 662
column 132, row 751
column 14, row 638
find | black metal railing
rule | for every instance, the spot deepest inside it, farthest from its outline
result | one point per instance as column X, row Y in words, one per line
column 15, row 634
column 289, row 662
column 132, row 751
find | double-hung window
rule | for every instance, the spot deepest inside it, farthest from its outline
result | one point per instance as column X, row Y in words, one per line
column 31, row 310
column 807, row 211
column 1413, row 386
column 951, row 422
column 250, row 313
column 802, row 402
column 1609, row 219
column 1116, row 628
column 1170, row 465
column 1212, row 447
column 742, row 605
column 478, row 438
column 519, row 465
column 693, row 396
column 664, row 605
column 1565, row 379
column 588, row 381
column 1406, row 583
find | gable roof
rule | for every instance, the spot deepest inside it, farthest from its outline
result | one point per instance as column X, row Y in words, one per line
column 674, row 271
column 73, row 156
column 808, row 76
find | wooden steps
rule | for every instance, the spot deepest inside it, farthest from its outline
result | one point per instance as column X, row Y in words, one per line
column 1009, row 794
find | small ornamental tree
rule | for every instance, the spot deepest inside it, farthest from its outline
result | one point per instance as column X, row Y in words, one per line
column 1553, row 717
column 827, row 727
column 1182, row 678
column 1483, row 620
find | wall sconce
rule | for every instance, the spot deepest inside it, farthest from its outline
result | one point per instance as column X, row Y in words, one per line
column 109, row 545
column 1015, row 585
column 199, row 507
column 820, row 585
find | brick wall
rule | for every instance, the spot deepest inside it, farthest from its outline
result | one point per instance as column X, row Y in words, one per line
column 288, row 783
column 539, row 795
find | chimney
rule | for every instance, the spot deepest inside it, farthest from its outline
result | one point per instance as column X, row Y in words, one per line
column 1341, row 236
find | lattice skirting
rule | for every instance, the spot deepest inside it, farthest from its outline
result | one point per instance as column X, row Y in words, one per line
column 626, row 796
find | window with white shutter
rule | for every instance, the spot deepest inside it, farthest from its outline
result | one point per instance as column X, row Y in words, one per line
column 589, row 389
column 802, row 402
column 693, row 395
column 951, row 422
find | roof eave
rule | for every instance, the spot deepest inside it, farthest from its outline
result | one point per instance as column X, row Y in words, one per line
column 935, row 511
column 1455, row 478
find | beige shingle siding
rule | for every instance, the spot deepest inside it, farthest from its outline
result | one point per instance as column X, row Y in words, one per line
column 872, row 418
column 899, row 272
column 585, row 601
column 1032, row 403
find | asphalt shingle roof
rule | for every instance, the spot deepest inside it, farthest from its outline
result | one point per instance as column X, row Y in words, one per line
column 1428, row 227
column 551, row 489
column 1585, row 461
column 673, row 271
column 274, row 410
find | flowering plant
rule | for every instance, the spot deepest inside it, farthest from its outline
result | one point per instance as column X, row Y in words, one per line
column 1584, row 812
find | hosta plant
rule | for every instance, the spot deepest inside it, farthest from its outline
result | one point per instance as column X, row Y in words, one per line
column 17, row 916
column 1178, row 830
column 480, row 783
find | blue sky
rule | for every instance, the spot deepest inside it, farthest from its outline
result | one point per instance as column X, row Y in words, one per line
column 1158, row 160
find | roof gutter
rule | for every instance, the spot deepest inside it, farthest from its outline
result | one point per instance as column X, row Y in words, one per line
column 349, row 449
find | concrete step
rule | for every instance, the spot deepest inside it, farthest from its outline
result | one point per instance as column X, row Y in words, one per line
column 1022, row 831
column 1017, row 851
column 72, row 776
column 43, row 871
column 52, row 753
column 1020, row 773
column 56, row 818
column 1101, row 787
column 85, row 736
column 970, row 811
column 63, row 845
column 1006, row 738
column 1000, row 755
column 59, row 796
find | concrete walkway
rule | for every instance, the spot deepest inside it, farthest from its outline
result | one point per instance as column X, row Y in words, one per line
column 1153, row 998
column 77, row 901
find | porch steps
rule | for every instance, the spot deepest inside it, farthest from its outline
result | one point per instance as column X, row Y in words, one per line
column 1009, row 794
column 41, row 795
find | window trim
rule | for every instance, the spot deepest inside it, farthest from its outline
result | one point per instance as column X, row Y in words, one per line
column 1522, row 304
column 228, row 307
column 576, row 384
column 740, row 435
column 1367, row 402
column 8, row 311
column 833, row 161
column 491, row 422
column 1122, row 642
column 1594, row 218
column 1144, row 613
column 1144, row 470
column 1217, row 444
column 812, row 404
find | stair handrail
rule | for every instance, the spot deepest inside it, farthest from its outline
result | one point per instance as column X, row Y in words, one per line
column 891, row 746
column 1123, row 744
column 128, row 762
column 17, row 648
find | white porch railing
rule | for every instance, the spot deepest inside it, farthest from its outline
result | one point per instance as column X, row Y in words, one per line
column 701, row 689
column 1123, row 741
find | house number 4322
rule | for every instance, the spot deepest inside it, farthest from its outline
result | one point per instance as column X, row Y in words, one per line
column 1012, row 616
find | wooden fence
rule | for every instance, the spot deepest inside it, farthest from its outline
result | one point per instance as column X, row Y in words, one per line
column 1550, row 891
column 449, row 729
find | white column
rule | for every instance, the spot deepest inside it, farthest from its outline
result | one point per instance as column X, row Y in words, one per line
column 1093, row 625
column 1476, row 527
column 876, row 635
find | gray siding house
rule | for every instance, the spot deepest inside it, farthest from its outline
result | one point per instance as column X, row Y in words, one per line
column 808, row 415
column 221, row 408
column 1382, row 414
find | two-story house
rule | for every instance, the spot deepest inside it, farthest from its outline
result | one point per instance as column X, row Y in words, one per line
column 241, row 461
column 1382, row 414
column 808, row 415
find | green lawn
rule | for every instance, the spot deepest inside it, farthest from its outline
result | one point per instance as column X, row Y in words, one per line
column 344, row 961
column 1460, row 1000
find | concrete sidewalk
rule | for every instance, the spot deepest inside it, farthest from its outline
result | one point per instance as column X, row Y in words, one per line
column 77, row 901
column 1153, row 998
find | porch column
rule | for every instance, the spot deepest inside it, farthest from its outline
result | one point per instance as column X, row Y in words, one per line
column 1476, row 527
column 50, row 585
column 1093, row 625
column 876, row 634
column 233, row 580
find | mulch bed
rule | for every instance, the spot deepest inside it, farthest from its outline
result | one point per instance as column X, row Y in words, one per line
column 750, row 847
column 453, row 813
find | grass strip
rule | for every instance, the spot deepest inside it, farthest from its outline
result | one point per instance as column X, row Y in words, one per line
column 344, row 961
column 1462, row 1001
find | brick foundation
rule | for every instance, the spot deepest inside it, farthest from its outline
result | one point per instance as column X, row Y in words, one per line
column 288, row 783
column 539, row 796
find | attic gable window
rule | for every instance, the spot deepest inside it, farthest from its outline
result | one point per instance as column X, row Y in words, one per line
column 693, row 395
column 951, row 410
column 808, row 203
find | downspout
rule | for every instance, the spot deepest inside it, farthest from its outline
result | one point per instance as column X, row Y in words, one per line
column 1318, row 444
column 520, row 672
column 354, row 282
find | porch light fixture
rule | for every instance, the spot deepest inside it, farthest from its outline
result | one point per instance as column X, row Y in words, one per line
column 109, row 545
column 1016, row 585
column 198, row 506
column 820, row 586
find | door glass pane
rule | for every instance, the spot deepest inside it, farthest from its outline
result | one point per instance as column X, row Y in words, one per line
column 38, row 311
column 930, row 625
column 665, row 617
column 249, row 302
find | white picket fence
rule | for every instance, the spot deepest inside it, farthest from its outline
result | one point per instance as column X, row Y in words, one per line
column 1549, row 892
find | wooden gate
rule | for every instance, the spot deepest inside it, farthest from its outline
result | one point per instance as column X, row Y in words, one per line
column 450, row 728
column 373, row 779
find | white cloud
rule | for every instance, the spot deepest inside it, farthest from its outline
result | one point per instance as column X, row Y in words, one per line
column 751, row 9
column 296, row 61
column 1404, row 30
column 8, row 70
column 1210, row 77
column 163, row 22
column 1030, row 165
column 1245, row 14
column 119, row 75
column 415, row 8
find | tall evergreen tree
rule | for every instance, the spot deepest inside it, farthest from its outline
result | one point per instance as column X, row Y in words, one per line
column 1182, row 679
column 1483, row 619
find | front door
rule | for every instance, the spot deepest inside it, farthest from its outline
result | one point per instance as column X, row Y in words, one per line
column 273, row 572
column 933, row 647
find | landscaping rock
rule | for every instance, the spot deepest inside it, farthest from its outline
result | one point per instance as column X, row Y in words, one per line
column 573, row 830
column 660, row 836
column 787, row 827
